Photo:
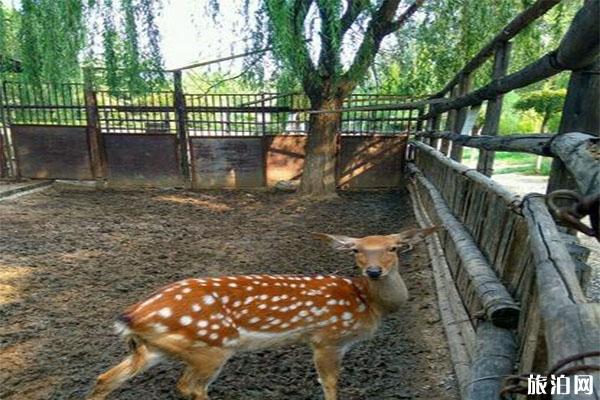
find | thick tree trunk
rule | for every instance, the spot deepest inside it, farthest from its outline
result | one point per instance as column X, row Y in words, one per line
column 318, row 177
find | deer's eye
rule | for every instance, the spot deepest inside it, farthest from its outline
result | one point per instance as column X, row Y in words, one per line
column 393, row 249
column 355, row 251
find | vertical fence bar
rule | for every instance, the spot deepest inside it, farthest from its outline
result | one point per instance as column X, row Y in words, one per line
column 97, row 151
column 485, row 163
column 450, row 122
column 464, row 87
column 181, row 125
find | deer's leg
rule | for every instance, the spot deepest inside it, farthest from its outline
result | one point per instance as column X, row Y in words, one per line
column 203, row 367
column 141, row 359
column 328, row 362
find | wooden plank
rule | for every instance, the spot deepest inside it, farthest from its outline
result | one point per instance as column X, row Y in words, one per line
column 143, row 160
column 52, row 152
column 367, row 162
column 227, row 162
column 284, row 157
column 580, row 154
column 531, row 143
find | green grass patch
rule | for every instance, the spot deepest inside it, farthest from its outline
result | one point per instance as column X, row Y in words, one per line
column 509, row 163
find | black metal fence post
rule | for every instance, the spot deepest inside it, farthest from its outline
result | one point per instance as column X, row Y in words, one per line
column 180, row 118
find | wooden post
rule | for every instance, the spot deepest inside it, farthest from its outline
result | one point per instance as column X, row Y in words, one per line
column 463, row 88
column 581, row 113
column 180, row 118
column 485, row 163
column 94, row 133
column 450, row 122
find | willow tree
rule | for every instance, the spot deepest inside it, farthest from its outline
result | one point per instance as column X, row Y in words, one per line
column 56, row 37
column 310, row 38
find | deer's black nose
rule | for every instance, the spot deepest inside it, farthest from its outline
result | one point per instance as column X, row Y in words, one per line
column 374, row 272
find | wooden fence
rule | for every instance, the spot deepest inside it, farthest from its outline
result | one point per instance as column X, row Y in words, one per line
column 509, row 281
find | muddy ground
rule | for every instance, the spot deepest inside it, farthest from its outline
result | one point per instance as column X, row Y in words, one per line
column 71, row 260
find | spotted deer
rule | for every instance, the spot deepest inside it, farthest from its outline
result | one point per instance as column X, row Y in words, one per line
column 205, row 321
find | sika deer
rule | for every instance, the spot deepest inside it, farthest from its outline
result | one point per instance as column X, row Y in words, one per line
column 204, row 321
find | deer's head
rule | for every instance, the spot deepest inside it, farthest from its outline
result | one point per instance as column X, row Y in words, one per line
column 377, row 256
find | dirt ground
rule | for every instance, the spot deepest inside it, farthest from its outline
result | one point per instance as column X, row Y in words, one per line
column 71, row 260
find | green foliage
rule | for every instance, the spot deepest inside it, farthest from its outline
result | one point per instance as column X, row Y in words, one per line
column 54, row 35
column 429, row 54
column 544, row 102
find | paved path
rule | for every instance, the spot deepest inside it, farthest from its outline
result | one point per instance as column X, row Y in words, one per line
column 522, row 184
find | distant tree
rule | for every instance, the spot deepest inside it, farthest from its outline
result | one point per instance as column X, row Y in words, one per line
column 545, row 103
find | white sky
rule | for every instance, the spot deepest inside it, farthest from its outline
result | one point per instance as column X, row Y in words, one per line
column 187, row 34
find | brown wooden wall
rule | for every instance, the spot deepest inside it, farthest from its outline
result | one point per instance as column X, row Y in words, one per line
column 52, row 152
column 143, row 160
column 227, row 162
column 367, row 162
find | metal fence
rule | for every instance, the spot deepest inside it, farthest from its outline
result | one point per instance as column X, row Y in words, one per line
column 255, row 114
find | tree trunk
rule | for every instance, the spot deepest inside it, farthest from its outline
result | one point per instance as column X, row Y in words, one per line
column 318, row 177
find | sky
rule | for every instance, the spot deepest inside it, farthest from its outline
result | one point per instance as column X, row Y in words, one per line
column 186, row 37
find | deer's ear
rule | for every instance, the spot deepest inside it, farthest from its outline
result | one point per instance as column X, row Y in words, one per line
column 412, row 236
column 338, row 242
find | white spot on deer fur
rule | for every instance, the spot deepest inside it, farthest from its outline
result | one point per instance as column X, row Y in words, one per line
column 333, row 319
column 256, row 282
column 362, row 307
column 295, row 319
column 263, row 297
column 233, row 278
column 319, row 277
column 186, row 290
column 178, row 297
column 245, row 311
column 308, row 303
column 284, row 296
column 216, row 284
column 249, row 300
column 237, row 303
column 275, row 299
column 276, row 321
column 196, row 307
column 303, row 313
column 232, row 284
column 216, row 279
column 208, row 299
column 284, row 309
column 214, row 327
column 202, row 332
column 285, row 325
column 225, row 299
column 262, row 306
column 275, row 308
column 185, row 320
column 306, row 278
column 249, row 288
column 264, row 284
column 253, row 320
column 332, row 302
column 214, row 336
column 202, row 323
column 165, row 312
column 293, row 285
column 347, row 316
column 159, row 328
column 265, row 327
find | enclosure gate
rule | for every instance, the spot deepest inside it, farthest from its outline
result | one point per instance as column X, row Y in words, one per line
column 174, row 139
